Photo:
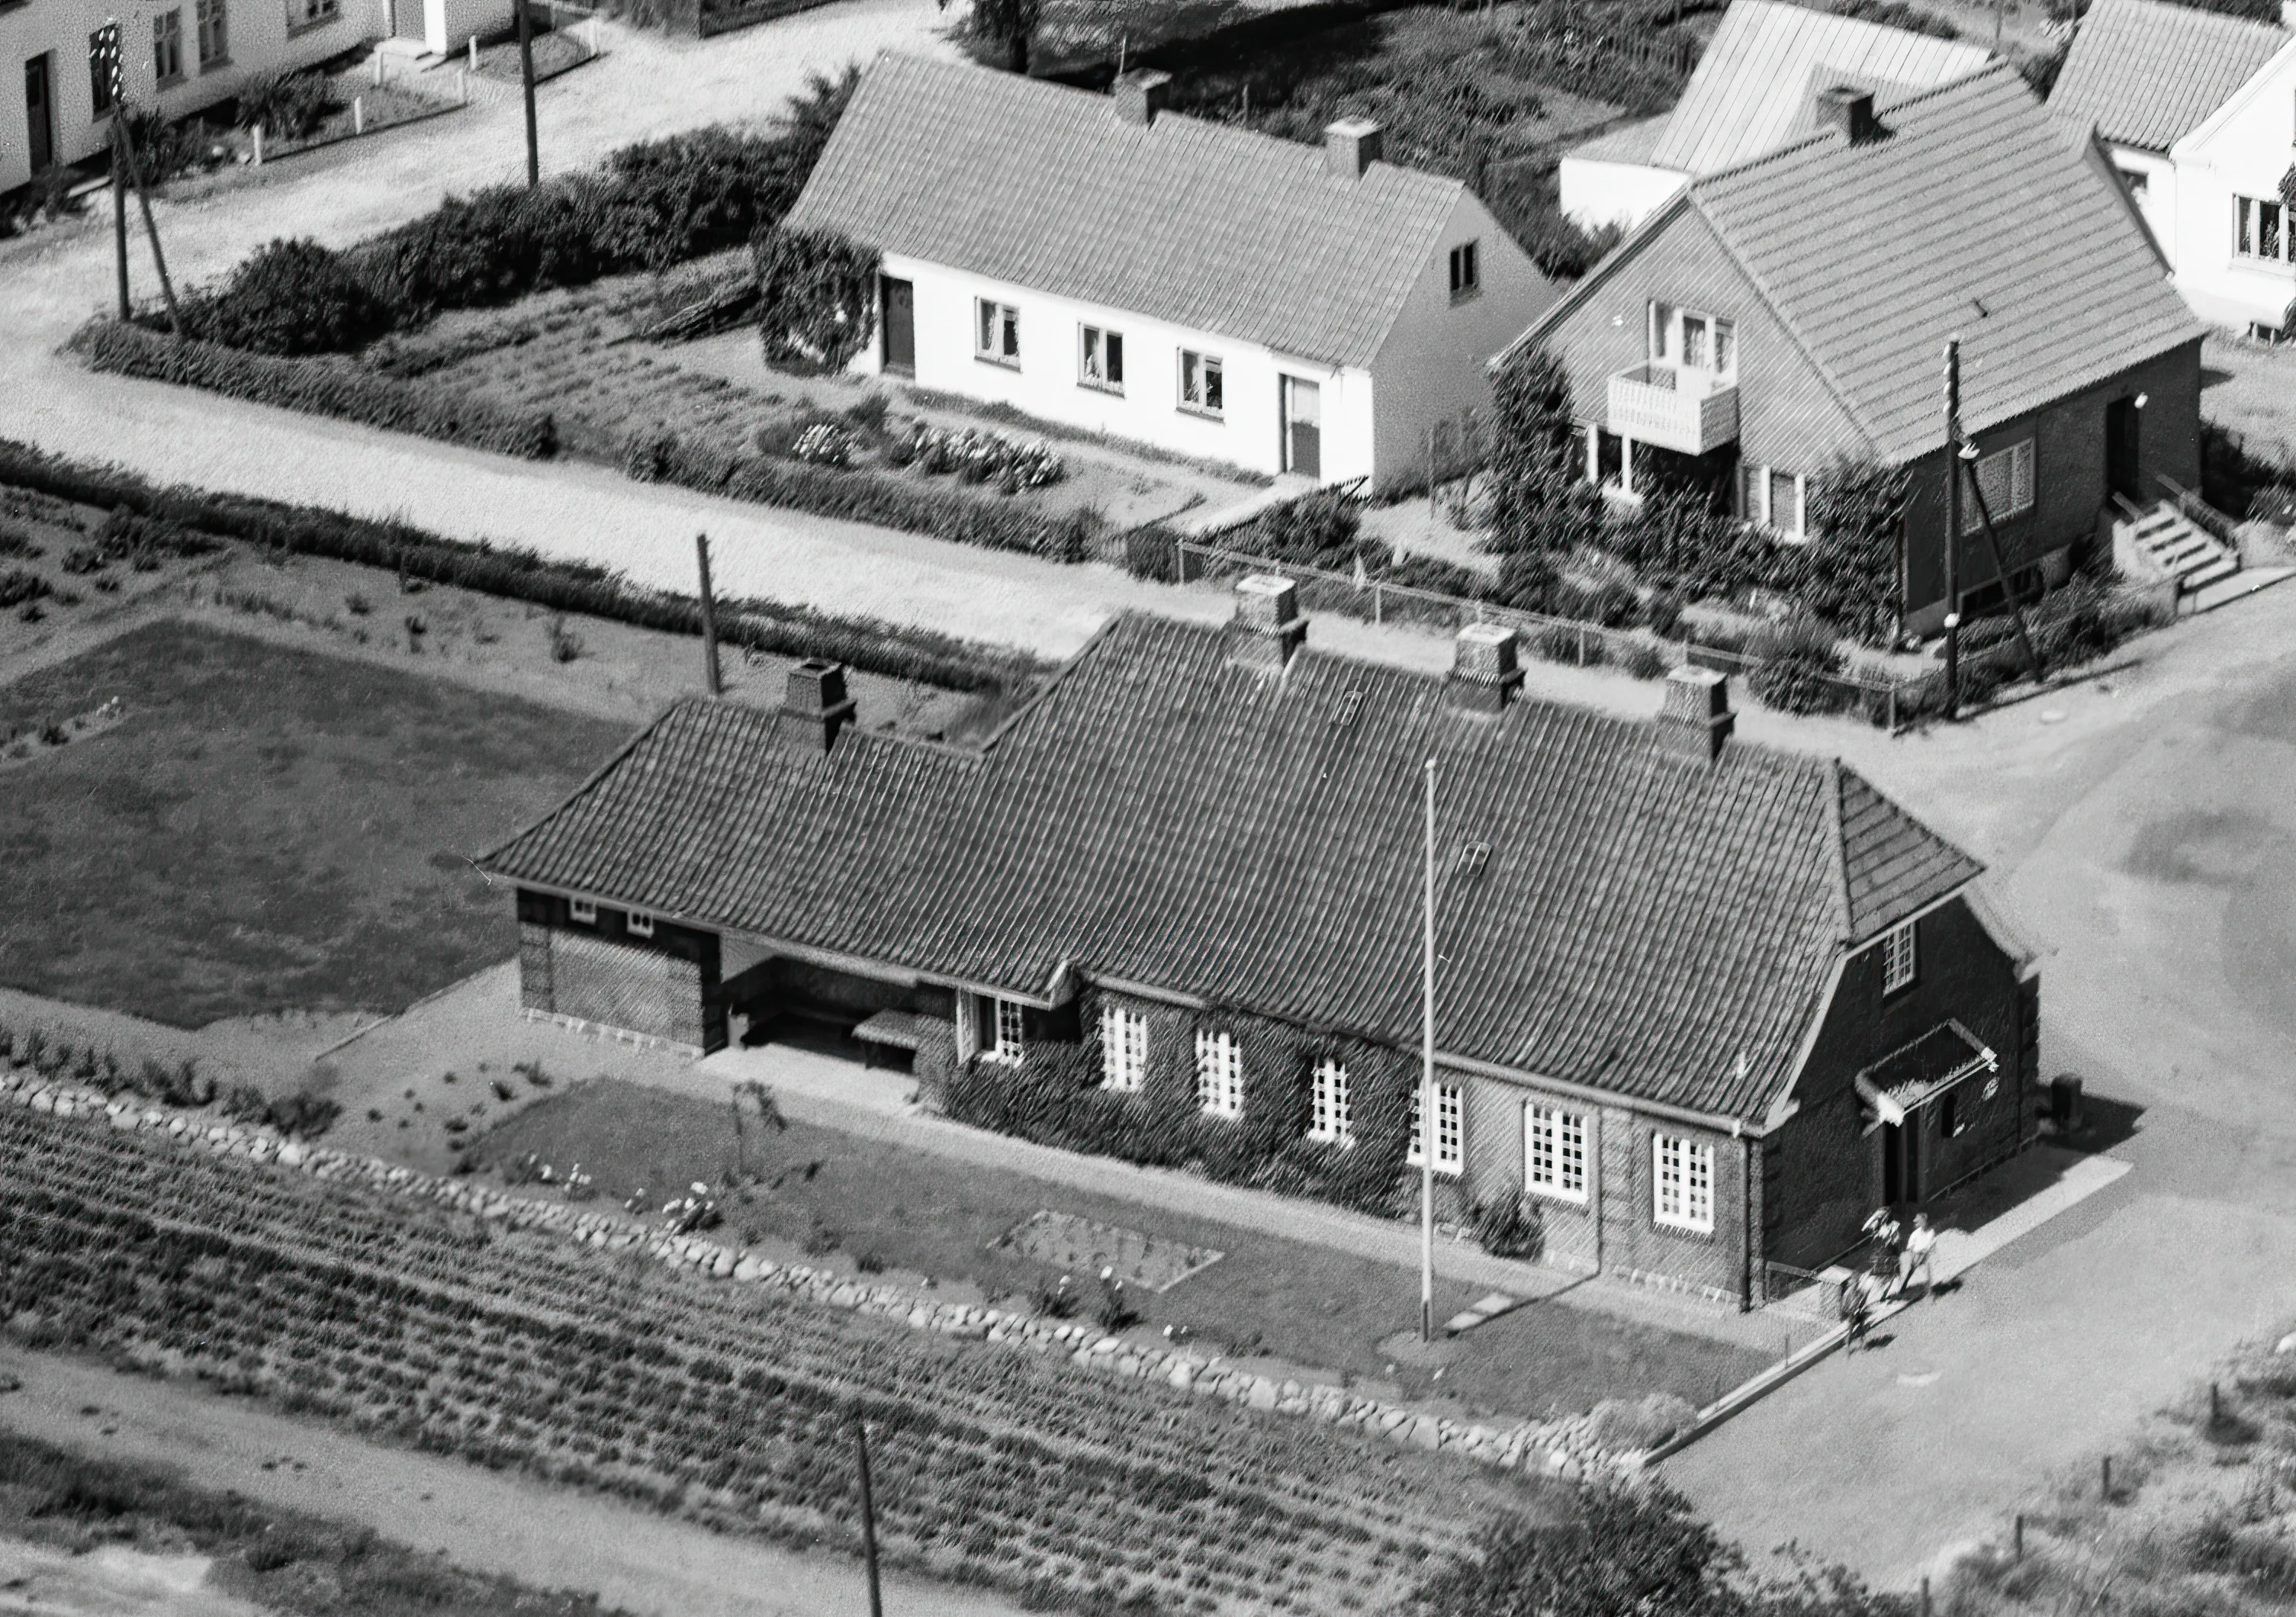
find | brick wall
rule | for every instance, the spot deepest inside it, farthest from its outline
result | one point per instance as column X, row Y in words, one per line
column 661, row 987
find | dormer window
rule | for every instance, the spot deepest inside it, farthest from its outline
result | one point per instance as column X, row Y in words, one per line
column 1466, row 270
column 1694, row 340
column 641, row 925
column 582, row 911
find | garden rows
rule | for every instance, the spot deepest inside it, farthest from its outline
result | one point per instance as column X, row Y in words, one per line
column 457, row 1332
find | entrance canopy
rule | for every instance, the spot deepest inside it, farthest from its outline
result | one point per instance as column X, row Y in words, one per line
column 1914, row 1074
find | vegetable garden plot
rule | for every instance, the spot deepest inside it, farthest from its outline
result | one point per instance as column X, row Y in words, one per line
column 437, row 1329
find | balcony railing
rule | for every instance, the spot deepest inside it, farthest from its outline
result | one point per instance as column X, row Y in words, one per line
column 1690, row 412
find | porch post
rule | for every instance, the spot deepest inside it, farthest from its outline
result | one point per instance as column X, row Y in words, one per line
column 1595, row 452
column 1626, row 464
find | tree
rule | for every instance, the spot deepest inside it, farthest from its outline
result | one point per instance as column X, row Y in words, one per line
column 1011, row 24
column 293, row 297
column 817, row 296
column 1540, row 501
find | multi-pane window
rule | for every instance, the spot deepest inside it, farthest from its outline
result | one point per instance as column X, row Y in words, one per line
column 583, row 912
column 101, row 46
column 310, row 13
column 996, row 332
column 1201, row 383
column 2006, row 478
column 1006, row 1032
column 1450, row 1127
column 1219, row 1075
column 1101, row 363
column 1554, row 1151
column 1900, row 962
column 168, row 46
column 2260, row 230
column 1328, row 1117
column 1466, row 269
column 1694, row 340
column 215, row 36
column 1775, row 500
column 641, row 925
column 1682, row 1182
column 1123, row 1048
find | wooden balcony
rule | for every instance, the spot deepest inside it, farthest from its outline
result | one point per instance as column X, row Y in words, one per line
column 1689, row 412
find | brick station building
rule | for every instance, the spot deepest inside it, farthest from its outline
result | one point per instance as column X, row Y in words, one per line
column 1701, row 1003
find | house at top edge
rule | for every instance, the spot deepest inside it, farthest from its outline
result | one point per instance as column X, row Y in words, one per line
column 2199, row 112
column 1099, row 261
column 1702, row 1003
column 1755, row 89
column 1774, row 319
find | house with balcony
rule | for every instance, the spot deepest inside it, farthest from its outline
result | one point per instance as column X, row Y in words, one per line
column 1700, row 1004
column 1755, row 90
column 1105, row 263
column 1789, row 314
column 2197, row 110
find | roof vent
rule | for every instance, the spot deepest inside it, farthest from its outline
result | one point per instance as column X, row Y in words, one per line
column 1142, row 93
column 1350, row 147
column 1268, row 626
column 1486, row 671
column 816, row 706
column 1695, row 719
column 1849, row 109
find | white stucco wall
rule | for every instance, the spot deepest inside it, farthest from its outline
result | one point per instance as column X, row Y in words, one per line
column 1047, row 381
column 2242, row 151
column 2156, row 196
column 448, row 25
column 1595, row 193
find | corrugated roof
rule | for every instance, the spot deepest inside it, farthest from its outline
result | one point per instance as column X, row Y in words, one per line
column 1970, row 216
column 2144, row 74
column 1754, row 85
column 1210, row 228
column 1656, row 927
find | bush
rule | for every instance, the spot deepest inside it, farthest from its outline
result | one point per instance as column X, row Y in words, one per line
column 291, row 297
column 307, row 1116
column 1644, row 662
column 19, row 587
column 1318, row 529
column 1799, row 670
column 1151, row 552
column 289, row 105
column 1511, row 1227
column 817, row 296
column 319, row 387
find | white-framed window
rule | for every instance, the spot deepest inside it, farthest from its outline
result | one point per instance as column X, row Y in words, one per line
column 1900, row 958
column 311, row 13
column 1123, row 1049
column 1777, row 500
column 1007, row 1040
column 996, row 332
column 1203, row 383
column 1219, row 1074
column 2006, row 478
column 1682, row 1182
column 1554, row 1152
column 1466, row 269
column 1694, row 340
column 1450, row 1127
column 641, row 925
column 2260, row 230
column 1328, row 1118
column 1100, row 358
column 215, row 35
column 582, row 911
column 168, row 46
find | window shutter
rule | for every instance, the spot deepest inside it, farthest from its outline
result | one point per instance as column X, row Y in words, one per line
column 2021, row 492
column 968, row 1026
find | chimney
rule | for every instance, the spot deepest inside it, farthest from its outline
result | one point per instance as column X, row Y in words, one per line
column 1485, row 672
column 1350, row 147
column 1695, row 719
column 1268, row 626
column 1142, row 93
column 816, row 706
column 1850, row 111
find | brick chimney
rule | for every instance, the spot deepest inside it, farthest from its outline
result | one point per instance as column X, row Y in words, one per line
column 1142, row 93
column 1486, row 671
column 1268, row 626
column 1350, row 147
column 1695, row 719
column 816, row 707
column 1849, row 109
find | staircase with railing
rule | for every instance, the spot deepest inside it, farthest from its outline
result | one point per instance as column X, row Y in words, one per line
column 2163, row 544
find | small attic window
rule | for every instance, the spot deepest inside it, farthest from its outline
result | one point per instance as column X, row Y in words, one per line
column 1466, row 270
column 1473, row 857
column 1350, row 704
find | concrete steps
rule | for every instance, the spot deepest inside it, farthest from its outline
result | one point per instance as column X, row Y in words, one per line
column 2165, row 543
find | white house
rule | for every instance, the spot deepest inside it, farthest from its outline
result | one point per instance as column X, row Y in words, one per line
column 1098, row 261
column 2198, row 113
column 183, row 56
column 1754, row 91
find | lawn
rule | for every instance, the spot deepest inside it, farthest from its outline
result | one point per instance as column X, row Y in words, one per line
column 264, row 828
column 820, row 1192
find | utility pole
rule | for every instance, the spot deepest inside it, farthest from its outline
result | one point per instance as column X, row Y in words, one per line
column 709, row 620
column 125, row 145
column 108, row 62
column 1427, row 1127
column 526, row 72
column 1966, row 453
column 1951, row 527
column 868, row 1516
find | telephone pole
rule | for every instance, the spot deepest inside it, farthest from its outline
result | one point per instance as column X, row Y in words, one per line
column 1427, row 1123
column 108, row 62
column 868, row 1516
column 526, row 73
column 1951, row 527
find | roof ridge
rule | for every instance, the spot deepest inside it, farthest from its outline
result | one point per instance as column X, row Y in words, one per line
column 1839, row 846
column 1819, row 137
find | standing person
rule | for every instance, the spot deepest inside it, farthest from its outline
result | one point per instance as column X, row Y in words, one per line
column 1888, row 1238
column 1920, row 1248
column 1856, row 1311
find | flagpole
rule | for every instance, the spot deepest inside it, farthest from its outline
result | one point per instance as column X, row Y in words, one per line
column 1427, row 1119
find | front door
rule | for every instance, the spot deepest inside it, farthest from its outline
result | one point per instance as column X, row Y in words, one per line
column 900, row 326
column 1303, row 428
column 40, row 113
column 2121, row 475
column 1901, row 1160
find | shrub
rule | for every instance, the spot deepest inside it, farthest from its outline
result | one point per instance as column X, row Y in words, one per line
column 1627, row 1425
column 287, row 104
column 1644, row 662
column 319, row 387
column 1151, row 552
column 1511, row 1227
column 1318, row 529
column 1799, row 670
column 19, row 587
column 291, row 297
column 816, row 296
column 308, row 1116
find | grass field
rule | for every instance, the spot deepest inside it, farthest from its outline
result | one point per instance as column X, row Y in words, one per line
column 822, row 1192
column 264, row 827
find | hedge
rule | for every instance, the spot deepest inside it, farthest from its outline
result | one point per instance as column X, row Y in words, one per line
column 319, row 387
column 767, row 626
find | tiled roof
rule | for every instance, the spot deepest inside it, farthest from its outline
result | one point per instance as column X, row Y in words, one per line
column 1210, row 228
column 1753, row 88
column 1628, row 144
column 1657, row 927
column 2144, row 74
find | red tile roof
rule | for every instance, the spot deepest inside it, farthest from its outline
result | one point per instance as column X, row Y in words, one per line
column 1657, row 927
column 2144, row 74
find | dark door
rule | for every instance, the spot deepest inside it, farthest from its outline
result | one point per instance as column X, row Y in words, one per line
column 2121, row 475
column 40, row 113
column 900, row 326
column 1901, row 1160
column 1303, row 428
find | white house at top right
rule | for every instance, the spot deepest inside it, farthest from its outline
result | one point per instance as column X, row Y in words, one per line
column 2198, row 113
